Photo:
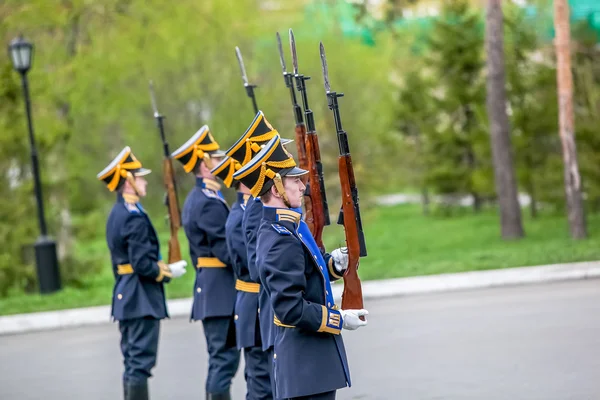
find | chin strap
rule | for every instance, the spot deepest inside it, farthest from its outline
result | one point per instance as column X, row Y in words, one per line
column 207, row 160
column 281, row 190
column 130, row 178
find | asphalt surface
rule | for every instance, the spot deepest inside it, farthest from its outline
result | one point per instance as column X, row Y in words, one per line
column 530, row 342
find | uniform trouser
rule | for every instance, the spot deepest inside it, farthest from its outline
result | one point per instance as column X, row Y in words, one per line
column 223, row 359
column 139, row 344
column 257, row 373
column 320, row 396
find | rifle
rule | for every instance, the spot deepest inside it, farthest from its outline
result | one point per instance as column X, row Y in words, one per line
column 248, row 86
column 300, row 127
column 320, row 209
column 355, row 238
column 171, row 200
column 288, row 78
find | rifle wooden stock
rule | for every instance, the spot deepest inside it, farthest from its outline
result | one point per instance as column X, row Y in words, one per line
column 352, row 298
column 316, row 195
column 303, row 163
column 301, row 146
column 173, row 208
column 320, row 209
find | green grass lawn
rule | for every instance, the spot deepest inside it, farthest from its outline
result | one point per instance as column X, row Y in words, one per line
column 400, row 241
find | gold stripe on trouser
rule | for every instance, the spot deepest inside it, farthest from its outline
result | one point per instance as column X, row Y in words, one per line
column 124, row 269
column 209, row 262
column 249, row 287
column 277, row 322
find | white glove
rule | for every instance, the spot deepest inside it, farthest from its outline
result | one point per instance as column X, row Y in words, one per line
column 178, row 268
column 340, row 259
column 352, row 320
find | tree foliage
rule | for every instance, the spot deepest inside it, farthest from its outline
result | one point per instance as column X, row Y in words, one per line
column 89, row 81
column 414, row 104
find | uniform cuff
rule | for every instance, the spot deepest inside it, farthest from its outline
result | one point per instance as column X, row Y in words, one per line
column 333, row 270
column 163, row 272
column 331, row 321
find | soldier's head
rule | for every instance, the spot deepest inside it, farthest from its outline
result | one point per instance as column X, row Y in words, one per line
column 245, row 148
column 137, row 187
column 294, row 188
column 240, row 187
column 125, row 174
column 199, row 154
column 272, row 174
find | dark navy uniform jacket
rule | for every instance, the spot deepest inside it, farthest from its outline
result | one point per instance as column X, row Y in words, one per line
column 246, row 306
column 135, row 253
column 250, row 225
column 309, row 354
column 204, row 215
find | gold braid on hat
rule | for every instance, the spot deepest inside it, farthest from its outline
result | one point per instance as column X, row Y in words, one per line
column 122, row 171
column 269, row 173
column 253, row 146
column 200, row 151
column 233, row 166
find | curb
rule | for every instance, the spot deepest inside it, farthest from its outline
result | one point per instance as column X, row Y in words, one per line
column 50, row 320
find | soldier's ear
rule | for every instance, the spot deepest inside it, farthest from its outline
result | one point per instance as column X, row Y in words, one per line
column 274, row 192
column 204, row 169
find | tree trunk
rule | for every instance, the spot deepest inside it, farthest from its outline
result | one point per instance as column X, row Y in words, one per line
column 504, row 175
column 566, row 124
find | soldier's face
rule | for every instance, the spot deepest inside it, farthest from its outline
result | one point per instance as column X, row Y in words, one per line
column 140, row 184
column 215, row 161
column 294, row 189
column 205, row 168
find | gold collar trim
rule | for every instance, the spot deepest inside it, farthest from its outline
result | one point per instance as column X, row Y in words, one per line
column 130, row 198
column 212, row 185
column 288, row 215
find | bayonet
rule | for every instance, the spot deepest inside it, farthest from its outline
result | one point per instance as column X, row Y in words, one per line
column 281, row 58
column 294, row 56
column 288, row 78
column 324, row 67
column 248, row 86
column 238, row 53
column 153, row 100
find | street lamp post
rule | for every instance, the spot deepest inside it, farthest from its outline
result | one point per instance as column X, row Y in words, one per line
column 21, row 54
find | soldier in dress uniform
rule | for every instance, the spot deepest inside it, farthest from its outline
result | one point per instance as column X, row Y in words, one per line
column 337, row 263
column 204, row 215
column 138, row 301
column 257, row 368
column 310, row 359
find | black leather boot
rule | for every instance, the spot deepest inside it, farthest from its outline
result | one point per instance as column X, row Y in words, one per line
column 137, row 391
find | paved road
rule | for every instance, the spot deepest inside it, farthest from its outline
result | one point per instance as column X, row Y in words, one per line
column 530, row 343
